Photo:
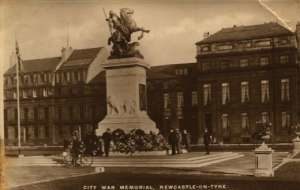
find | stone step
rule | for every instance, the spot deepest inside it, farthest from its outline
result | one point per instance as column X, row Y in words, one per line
column 164, row 159
column 174, row 164
column 189, row 162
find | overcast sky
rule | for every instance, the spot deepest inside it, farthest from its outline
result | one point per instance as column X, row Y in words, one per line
column 41, row 26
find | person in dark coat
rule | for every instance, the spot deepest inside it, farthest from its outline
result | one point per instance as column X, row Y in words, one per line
column 178, row 141
column 75, row 150
column 186, row 139
column 107, row 137
column 66, row 144
column 207, row 139
column 173, row 141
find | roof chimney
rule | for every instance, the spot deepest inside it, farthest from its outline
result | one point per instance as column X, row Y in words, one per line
column 206, row 35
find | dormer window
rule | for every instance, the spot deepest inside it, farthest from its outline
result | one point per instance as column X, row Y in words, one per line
column 283, row 41
column 245, row 44
column 205, row 49
column 224, row 47
column 263, row 43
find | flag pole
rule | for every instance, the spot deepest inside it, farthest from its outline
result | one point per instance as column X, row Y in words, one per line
column 18, row 100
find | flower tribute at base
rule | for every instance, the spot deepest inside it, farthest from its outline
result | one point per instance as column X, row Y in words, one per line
column 137, row 140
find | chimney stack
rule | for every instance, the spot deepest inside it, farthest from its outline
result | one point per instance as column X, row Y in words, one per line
column 206, row 35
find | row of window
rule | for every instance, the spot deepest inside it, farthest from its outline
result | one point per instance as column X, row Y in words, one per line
column 28, row 133
column 241, row 44
column 29, row 79
column 45, row 92
column 32, row 132
column 29, row 93
column 70, row 76
column 182, row 71
column 42, row 113
column 224, row 64
column 225, row 90
column 76, row 112
column 26, row 114
column 46, row 78
column 285, row 120
column 245, row 92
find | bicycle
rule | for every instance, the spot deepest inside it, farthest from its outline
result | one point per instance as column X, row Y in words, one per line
column 82, row 160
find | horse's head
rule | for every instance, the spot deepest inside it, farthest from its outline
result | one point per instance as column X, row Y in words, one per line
column 126, row 11
column 126, row 17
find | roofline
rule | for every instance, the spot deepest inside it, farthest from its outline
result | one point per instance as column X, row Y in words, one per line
column 221, row 41
column 291, row 33
column 5, row 73
column 41, row 58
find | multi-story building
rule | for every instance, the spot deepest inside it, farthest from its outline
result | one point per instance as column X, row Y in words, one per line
column 57, row 95
column 249, row 74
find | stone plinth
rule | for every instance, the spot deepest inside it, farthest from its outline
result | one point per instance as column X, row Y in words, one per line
column 296, row 144
column 126, row 96
column 263, row 161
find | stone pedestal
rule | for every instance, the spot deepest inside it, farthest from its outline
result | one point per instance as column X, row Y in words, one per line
column 296, row 144
column 263, row 161
column 126, row 96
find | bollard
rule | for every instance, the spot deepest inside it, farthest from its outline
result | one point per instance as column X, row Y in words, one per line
column 263, row 161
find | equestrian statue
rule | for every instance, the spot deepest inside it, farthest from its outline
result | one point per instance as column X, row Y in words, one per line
column 121, row 27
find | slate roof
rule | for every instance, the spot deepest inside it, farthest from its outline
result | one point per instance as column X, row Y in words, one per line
column 78, row 58
column 36, row 65
column 81, row 57
column 237, row 33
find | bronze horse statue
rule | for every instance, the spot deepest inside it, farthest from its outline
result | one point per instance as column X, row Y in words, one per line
column 121, row 28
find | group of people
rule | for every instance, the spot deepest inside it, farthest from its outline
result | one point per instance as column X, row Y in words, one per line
column 178, row 140
column 91, row 145
column 94, row 145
